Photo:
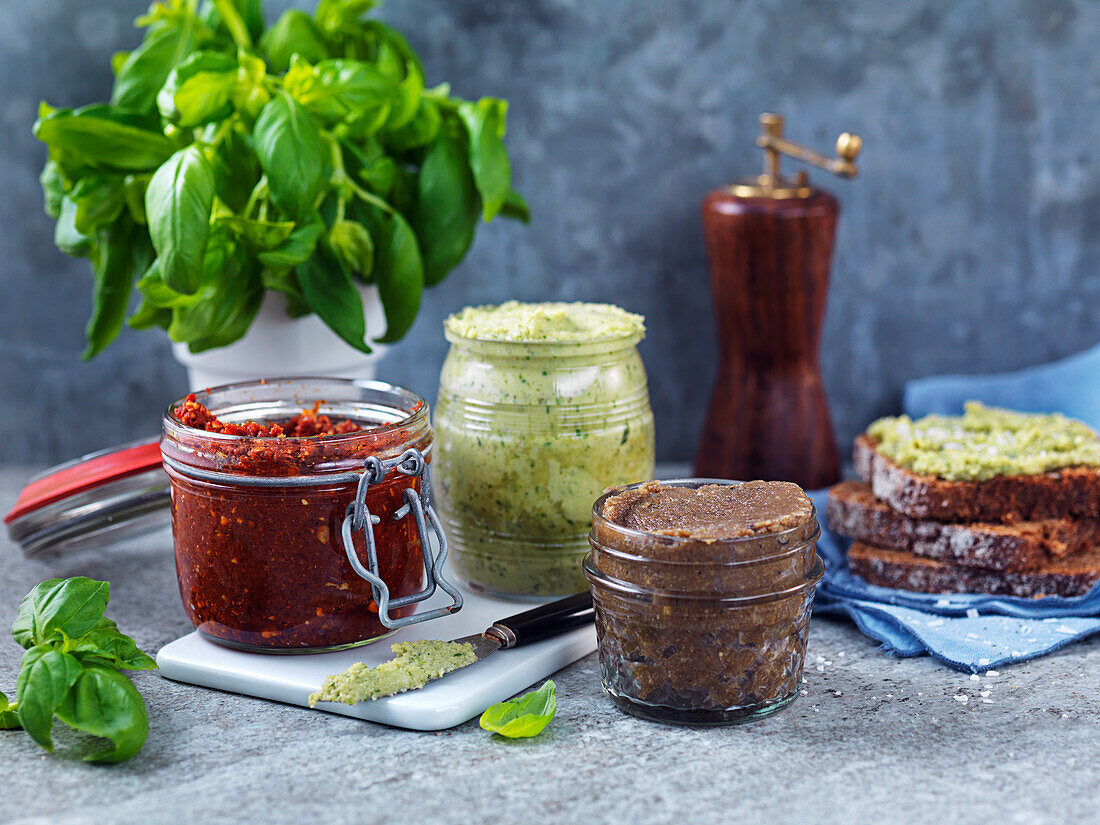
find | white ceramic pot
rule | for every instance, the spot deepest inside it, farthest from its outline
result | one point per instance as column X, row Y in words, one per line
column 277, row 346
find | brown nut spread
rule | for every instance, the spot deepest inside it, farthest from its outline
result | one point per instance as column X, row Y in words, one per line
column 703, row 595
column 711, row 512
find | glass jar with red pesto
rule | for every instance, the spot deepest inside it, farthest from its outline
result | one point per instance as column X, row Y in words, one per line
column 257, row 524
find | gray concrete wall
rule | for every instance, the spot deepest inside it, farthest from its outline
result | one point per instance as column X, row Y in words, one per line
column 970, row 242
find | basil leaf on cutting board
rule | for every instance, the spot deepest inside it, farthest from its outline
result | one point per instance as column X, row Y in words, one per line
column 524, row 716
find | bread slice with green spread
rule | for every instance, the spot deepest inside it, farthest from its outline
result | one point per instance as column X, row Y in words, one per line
column 985, row 465
column 1070, row 576
column 854, row 511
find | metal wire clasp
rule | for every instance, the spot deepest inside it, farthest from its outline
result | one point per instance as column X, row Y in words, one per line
column 357, row 517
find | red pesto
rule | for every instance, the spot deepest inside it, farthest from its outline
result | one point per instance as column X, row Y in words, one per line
column 266, row 567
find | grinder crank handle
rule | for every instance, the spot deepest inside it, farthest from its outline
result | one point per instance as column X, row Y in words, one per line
column 544, row 621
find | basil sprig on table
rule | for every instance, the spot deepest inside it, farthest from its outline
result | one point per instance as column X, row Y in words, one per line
column 305, row 158
column 71, row 670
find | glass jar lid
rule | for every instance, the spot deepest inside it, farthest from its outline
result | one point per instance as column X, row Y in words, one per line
column 106, row 495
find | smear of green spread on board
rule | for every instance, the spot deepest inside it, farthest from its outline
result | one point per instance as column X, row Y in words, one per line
column 986, row 442
column 415, row 664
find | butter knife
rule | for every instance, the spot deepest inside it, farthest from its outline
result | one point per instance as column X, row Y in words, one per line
column 359, row 683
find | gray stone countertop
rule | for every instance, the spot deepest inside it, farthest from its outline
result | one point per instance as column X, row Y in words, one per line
column 873, row 739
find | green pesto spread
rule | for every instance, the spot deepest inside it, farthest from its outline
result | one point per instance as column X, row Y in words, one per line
column 528, row 435
column 986, row 442
column 547, row 322
column 415, row 664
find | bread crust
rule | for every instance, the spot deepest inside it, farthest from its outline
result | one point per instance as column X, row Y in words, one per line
column 854, row 511
column 1071, row 576
column 1072, row 492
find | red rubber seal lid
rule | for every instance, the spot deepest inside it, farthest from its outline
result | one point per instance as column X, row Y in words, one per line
column 85, row 474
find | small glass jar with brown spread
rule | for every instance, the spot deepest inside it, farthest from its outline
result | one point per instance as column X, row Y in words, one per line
column 703, row 592
column 300, row 511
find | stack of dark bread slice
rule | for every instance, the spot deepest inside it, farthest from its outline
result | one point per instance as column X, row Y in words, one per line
column 1019, row 535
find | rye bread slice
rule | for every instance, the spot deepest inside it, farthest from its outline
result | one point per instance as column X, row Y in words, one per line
column 1072, row 492
column 1069, row 576
column 854, row 511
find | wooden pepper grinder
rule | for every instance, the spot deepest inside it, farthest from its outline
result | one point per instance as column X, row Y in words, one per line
column 770, row 242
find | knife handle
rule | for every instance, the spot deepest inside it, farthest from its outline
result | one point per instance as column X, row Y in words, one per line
column 545, row 621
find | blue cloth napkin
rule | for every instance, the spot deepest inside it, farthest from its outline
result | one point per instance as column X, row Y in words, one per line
column 972, row 633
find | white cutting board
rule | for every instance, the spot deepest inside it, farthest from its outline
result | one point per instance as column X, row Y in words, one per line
column 444, row 703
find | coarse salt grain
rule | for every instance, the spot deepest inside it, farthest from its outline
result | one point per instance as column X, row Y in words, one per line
column 992, row 673
column 974, row 677
column 972, row 613
column 987, row 701
column 983, row 661
column 962, row 697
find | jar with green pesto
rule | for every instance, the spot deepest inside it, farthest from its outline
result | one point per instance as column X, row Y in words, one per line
column 541, row 407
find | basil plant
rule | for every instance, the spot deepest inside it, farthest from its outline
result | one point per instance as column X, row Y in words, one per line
column 304, row 158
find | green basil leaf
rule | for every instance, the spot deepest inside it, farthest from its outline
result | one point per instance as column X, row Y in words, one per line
column 178, row 203
column 298, row 246
column 293, row 33
column 515, row 207
column 292, row 154
column 377, row 169
column 329, row 291
column 485, row 122
column 419, row 131
column 106, row 643
column 227, row 301
column 235, row 316
column 55, row 606
column 66, row 236
column 523, row 716
column 143, row 73
column 341, row 90
column 447, row 209
column 53, row 188
column 134, row 187
column 148, row 315
column 234, row 21
column 156, row 293
column 336, row 16
column 104, row 703
column 220, row 274
column 99, row 200
column 394, row 41
column 113, row 270
column 398, row 270
column 45, row 677
column 197, row 90
column 265, row 235
column 354, row 247
column 9, row 717
column 407, row 98
column 103, row 142
column 236, row 170
column 250, row 93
